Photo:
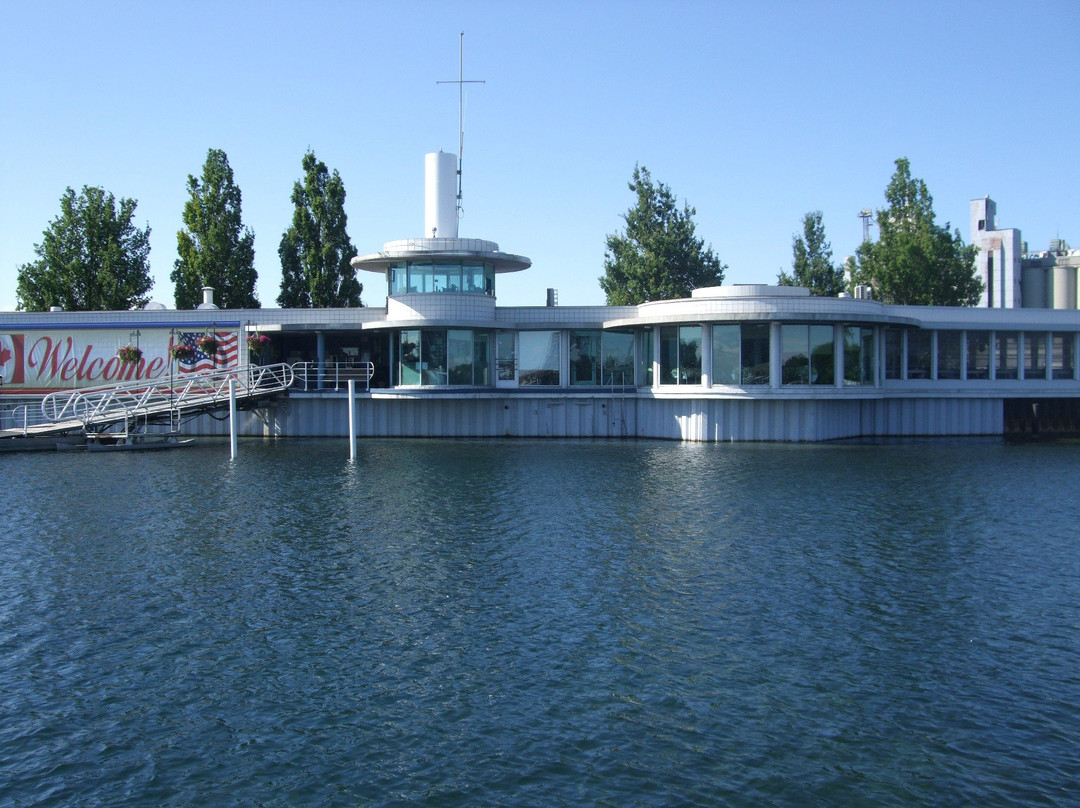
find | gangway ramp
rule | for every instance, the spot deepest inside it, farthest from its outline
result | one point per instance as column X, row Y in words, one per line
column 162, row 400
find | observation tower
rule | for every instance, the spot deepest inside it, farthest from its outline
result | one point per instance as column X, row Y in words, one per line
column 439, row 263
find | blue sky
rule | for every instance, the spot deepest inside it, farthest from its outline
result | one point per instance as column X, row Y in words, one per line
column 752, row 112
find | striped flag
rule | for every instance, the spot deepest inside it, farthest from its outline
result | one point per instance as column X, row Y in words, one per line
column 225, row 355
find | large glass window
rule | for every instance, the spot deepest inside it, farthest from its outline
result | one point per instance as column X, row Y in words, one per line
column 894, row 353
column 472, row 277
column 755, row 353
column 1062, row 347
column 647, row 357
column 617, row 351
column 482, row 358
column 978, row 354
column 585, row 357
column 450, row 276
column 918, row 354
column 822, row 354
column 948, row 354
column 409, row 351
column 506, row 355
column 1006, row 355
column 433, row 356
column 726, row 368
column 1035, row 354
column 680, row 354
column 807, row 354
column 539, row 357
column 436, row 356
column 397, row 279
column 795, row 354
column 858, row 355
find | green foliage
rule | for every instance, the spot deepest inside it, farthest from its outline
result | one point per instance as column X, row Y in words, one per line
column 659, row 257
column 215, row 248
column 811, row 261
column 91, row 257
column 915, row 261
column 315, row 251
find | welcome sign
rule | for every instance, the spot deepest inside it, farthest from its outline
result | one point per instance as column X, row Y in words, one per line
column 42, row 361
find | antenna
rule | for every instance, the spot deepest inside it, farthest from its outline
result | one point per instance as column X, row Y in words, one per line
column 460, row 82
column 865, row 215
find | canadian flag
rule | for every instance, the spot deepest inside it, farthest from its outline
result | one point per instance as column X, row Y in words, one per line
column 11, row 358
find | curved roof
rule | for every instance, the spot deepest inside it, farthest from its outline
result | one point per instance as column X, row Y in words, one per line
column 435, row 249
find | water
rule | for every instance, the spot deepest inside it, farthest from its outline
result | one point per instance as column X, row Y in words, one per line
column 541, row 623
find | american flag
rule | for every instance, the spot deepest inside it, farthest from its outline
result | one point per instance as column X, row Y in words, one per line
column 225, row 356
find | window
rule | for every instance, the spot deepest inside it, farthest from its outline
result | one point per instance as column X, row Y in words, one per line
column 539, row 358
column 433, row 356
column 822, row 354
column 1006, row 355
column 725, row 355
column 617, row 358
column 409, row 351
column 1063, row 347
column 794, row 354
column 585, row 357
column 918, row 355
column 894, row 353
column 807, row 354
column 858, row 355
column 978, row 354
column 1035, row 354
column 755, row 353
column 948, row 354
column 647, row 357
column 426, row 277
column 680, row 354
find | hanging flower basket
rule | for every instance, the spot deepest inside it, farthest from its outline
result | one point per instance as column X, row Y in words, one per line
column 208, row 344
column 182, row 352
column 129, row 354
column 257, row 343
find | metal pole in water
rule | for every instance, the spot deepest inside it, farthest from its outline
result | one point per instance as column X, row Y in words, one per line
column 352, row 419
column 232, row 419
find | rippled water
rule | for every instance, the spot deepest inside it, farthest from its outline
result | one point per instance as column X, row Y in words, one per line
column 541, row 623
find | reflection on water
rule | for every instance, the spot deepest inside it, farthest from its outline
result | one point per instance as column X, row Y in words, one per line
column 528, row 622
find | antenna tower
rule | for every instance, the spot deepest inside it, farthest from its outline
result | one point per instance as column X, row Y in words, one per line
column 865, row 215
column 460, row 82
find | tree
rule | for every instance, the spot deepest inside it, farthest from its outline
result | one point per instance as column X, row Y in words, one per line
column 658, row 257
column 91, row 257
column 315, row 251
column 215, row 248
column 915, row 261
column 811, row 260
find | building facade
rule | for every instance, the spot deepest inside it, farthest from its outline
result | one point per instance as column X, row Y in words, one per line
column 735, row 363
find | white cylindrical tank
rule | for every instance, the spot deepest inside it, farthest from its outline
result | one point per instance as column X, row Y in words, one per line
column 1064, row 287
column 440, row 195
column 1033, row 288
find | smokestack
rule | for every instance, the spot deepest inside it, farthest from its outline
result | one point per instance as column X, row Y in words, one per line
column 440, row 195
column 207, row 298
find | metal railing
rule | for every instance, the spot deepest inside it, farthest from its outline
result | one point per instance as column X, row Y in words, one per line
column 20, row 418
column 334, row 376
column 197, row 391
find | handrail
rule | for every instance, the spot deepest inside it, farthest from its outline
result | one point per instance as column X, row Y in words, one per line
column 334, row 376
column 194, row 391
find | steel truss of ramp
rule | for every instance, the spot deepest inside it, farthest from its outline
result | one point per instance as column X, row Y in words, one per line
column 98, row 408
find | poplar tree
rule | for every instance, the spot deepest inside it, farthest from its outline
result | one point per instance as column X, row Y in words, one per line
column 915, row 261
column 658, row 257
column 315, row 251
column 811, row 260
column 91, row 257
column 215, row 248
